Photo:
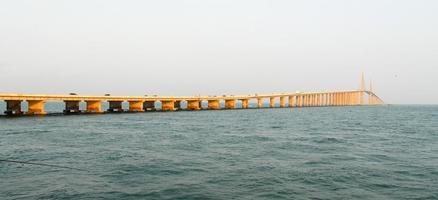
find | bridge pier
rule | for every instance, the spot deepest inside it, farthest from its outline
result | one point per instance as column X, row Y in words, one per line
column 305, row 100
column 71, row 107
column 230, row 103
column 282, row 102
column 213, row 105
column 94, row 106
column 35, row 107
column 168, row 105
column 259, row 102
column 300, row 101
column 322, row 100
column 194, row 105
column 291, row 102
column 115, row 106
column 272, row 102
column 136, row 106
column 13, row 107
column 149, row 106
column 244, row 103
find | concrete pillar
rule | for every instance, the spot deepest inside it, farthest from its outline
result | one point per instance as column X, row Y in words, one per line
column 313, row 100
column 335, row 99
column 71, row 107
column 291, row 102
column 136, row 106
column 297, row 101
column 300, row 101
column 13, row 107
column 177, row 105
column 167, row 105
column 339, row 99
column 259, row 103
column 321, row 100
column 331, row 99
column 272, row 102
column 230, row 103
column 345, row 98
column 193, row 105
column 213, row 105
column 307, row 102
column 94, row 106
column 149, row 106
column 244, row 103
column 304, row 104
column 115, row 106
column 282, row 102
column 35, row 107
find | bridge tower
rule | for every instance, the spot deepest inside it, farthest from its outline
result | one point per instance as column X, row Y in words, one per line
column 362, row 89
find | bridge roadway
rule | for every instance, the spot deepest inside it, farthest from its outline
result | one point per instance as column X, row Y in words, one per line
column 36, row 102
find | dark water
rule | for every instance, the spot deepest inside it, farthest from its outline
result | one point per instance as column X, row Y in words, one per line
column 312, row 153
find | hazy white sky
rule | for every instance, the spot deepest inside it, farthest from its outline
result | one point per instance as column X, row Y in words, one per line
column 219, row 47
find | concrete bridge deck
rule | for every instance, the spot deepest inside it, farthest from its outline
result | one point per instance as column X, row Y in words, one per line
column 36, row 102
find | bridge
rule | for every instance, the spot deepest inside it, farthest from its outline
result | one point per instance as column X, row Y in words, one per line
column 36, row 102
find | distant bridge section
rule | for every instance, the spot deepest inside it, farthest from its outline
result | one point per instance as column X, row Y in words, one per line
column 36, row 102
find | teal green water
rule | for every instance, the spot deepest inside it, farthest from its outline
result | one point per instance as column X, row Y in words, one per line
column 387, row 152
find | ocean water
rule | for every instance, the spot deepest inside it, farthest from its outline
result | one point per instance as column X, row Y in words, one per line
column 384, row 152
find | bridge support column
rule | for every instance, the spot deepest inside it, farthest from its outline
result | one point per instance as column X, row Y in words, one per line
column 259, row 103
column 272, row 102
column 149, row 106
column 345, row 99
column 299, row 101
column 72, row 107
column 282, row 102
column 136, row 106
column 94, row 106
column 321, row 100
column 291, row 102
column 213, row 105
column 13, row 107
column 244, row 103
column 230, row 103
column 35, row 107
column 305, row 100
column 194, row 105
column 332, row 99
column 115, row 106
column 168, row 105
column 341, row 99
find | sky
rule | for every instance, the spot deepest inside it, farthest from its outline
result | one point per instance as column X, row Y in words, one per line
column 220, row 47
